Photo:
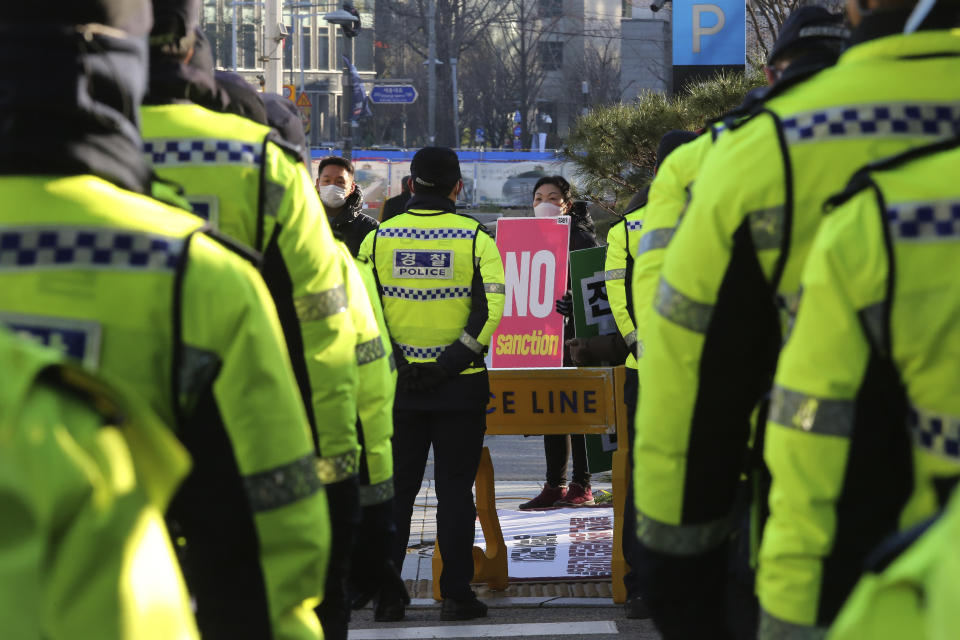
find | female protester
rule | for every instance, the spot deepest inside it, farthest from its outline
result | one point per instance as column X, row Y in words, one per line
column 552, row 198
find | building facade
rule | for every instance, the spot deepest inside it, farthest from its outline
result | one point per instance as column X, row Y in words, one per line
column 312, row 52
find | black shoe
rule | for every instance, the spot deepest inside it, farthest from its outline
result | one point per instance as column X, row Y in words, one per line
column 389, row 610
column 462, row 609
column 635, row 608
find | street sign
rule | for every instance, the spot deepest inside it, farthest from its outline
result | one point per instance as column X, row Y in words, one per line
column 289, row 92
column 304, row 106
column 393, row 94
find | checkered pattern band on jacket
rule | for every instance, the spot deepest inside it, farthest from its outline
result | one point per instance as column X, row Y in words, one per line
column 425, row 234
column 34, row 247
column 881, row 121
column 405, row 293
column 925, row 220
column 172, row 152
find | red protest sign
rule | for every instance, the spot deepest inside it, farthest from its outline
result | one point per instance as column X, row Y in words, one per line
column 534, row 254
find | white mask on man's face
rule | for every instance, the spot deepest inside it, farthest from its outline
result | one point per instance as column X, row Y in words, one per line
column 547, row 210
column 332, row 195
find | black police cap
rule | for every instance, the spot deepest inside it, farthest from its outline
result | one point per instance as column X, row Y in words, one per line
column 670, row 141
column 808, row 24
column 132, row 16
column 435, row 168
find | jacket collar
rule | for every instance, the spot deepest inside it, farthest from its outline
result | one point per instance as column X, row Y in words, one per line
column 430, row 202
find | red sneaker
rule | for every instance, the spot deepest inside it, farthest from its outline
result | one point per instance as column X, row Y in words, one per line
column 546, row 499
column 577, row 496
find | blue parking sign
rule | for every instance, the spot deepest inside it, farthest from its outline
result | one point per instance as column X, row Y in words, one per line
column 711, row 33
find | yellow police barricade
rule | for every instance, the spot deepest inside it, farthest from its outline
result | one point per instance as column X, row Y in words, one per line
column 540, row 402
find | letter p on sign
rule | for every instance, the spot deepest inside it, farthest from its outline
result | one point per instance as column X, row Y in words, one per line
column 699, row 30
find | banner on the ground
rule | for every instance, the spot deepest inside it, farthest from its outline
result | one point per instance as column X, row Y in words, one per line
column 559, row 544
column 534, row 254
column 591, row 309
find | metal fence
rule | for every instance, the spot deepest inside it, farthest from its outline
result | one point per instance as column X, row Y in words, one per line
column 501, row 178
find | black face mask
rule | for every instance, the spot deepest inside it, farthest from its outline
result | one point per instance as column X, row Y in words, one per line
column 81, row 115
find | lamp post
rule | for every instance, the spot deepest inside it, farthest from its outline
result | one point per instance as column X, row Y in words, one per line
column 456, row 104
column 344, row 19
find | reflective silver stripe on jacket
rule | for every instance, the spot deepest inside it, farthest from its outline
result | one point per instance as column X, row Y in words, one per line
column 283, row 485
column 682, row 539
column 393, row 361
column 631, row 338
column 772, row 628
column 938, row 433
column 655, row 239
column 470, row 342
column 332, row 469
column 371, row 494
column 615, row 274
column 825, row 416
column 766, row 227
column 370, row 351
column 681, row 310
column 319, row 306
column 494, row 287
column 424, row 353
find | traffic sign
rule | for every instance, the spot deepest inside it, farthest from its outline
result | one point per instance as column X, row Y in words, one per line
column 290, row 92
column 517, row 130
column 393, row 94
column 303, row 100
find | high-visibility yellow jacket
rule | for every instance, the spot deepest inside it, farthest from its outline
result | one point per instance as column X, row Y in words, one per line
column 711, row 347
column 914, row 595
column 130, row 287
column 84, row 479
column 242, row 179
column 622, row 242
column 669, row 194
column 442, row 285
column 378, row 381
column 870, row 365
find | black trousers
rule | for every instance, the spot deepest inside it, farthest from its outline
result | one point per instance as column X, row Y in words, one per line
column 457, row 440
column 557, row 449
column 629, row 534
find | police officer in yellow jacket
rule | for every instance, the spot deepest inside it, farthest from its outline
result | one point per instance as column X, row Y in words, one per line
column 442, row 285
column 134, row 289
column 910, row 587
column 372, row 572
column 869, row 367
column 251, row 185
column 713, row 342
column 86, row 478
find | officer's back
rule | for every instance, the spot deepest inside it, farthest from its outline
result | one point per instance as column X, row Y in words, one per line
column 134, row 289
column 86, row 477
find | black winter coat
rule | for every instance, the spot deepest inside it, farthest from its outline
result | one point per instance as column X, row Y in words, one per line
column 350, row 225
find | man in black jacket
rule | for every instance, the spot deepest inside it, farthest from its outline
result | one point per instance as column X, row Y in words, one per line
column 343, row 200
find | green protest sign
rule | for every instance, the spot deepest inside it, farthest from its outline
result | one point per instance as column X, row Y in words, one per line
column 592, row 317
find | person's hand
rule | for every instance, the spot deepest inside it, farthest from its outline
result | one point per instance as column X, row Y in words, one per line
column 407, row 378
column 422, row 376
column 579, row 351
column 564, row 305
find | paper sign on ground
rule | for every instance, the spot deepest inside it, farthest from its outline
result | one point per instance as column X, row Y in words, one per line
column 558, row 544
column 534, row 254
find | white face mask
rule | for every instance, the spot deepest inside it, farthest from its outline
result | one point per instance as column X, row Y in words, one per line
column 332, row 195
column 547, row 210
